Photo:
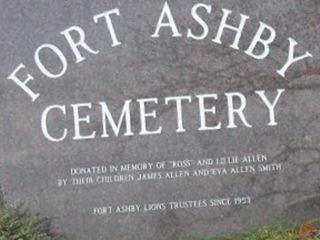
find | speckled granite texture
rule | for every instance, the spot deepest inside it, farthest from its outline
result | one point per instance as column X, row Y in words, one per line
column 32, row 167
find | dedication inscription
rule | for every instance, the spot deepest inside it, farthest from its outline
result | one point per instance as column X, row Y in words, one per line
column 159, row 119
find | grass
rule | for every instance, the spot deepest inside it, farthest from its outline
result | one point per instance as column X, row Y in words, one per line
column 17, row 225
column 307, row 231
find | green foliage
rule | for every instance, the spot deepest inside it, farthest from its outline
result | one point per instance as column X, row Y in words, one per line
column 15, row 225
column 305, row 232
column 272, row 233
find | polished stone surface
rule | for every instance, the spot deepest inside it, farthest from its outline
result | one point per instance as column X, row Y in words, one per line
column 32, row 168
